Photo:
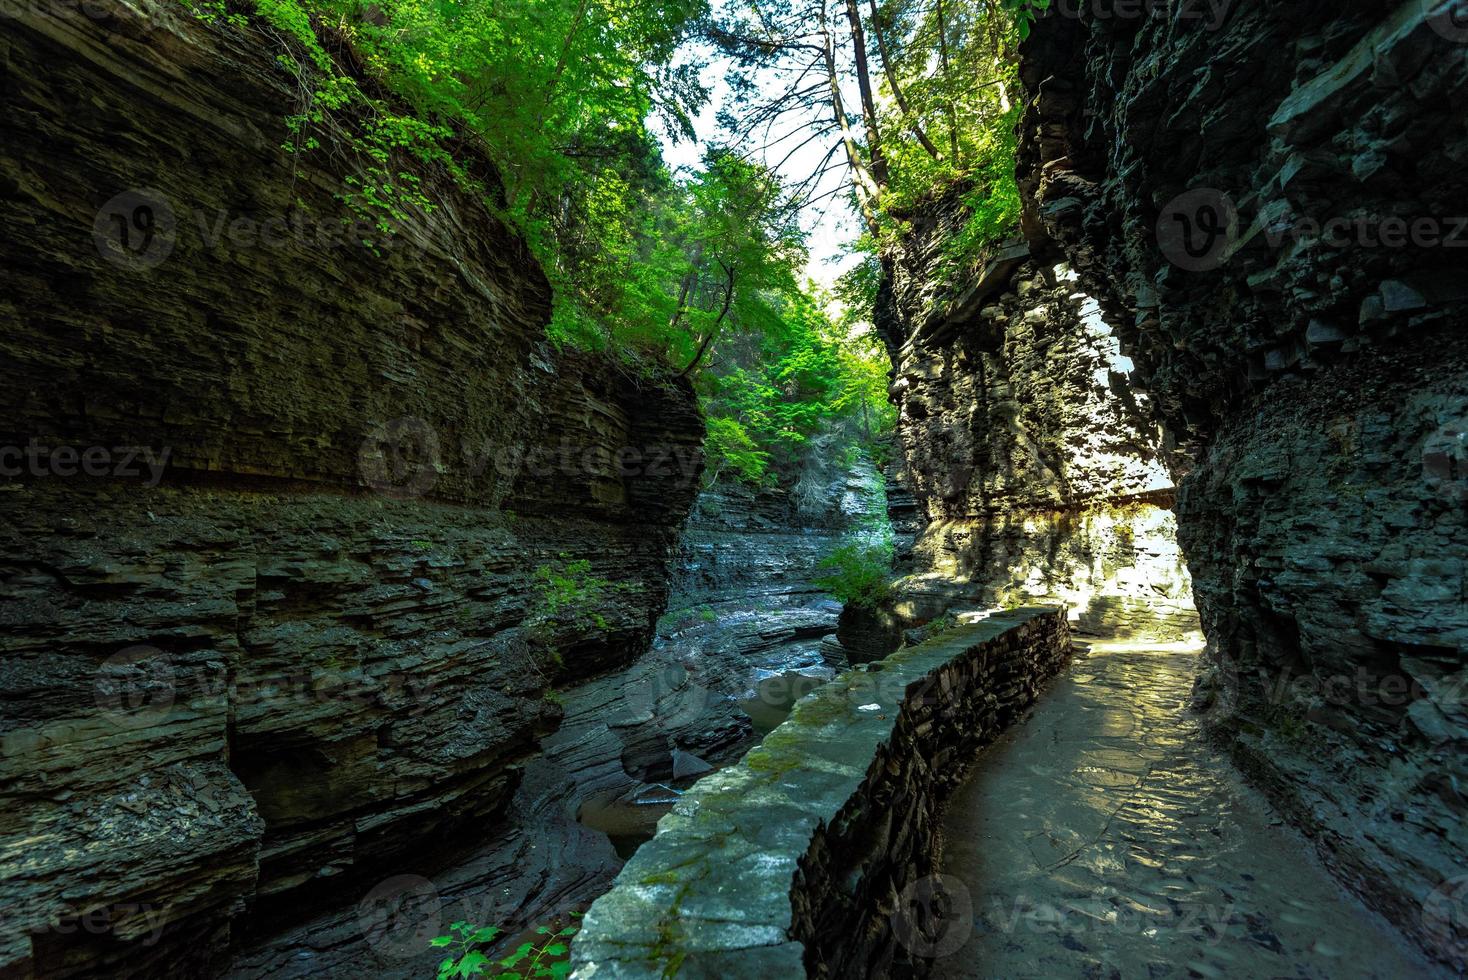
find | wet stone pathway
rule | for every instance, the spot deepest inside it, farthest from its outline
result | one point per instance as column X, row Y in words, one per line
column 1103, row 838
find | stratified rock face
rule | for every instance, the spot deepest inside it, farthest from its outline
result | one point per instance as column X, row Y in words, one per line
column 1037, row 465
column 742, row 638
column 278, row 642
column 1271, row 206
column 742, row 541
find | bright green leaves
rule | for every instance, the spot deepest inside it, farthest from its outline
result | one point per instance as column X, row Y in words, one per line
column 1024, row 13
column 729, row 444
column 955, row 65
column 547, row 958
column 569, row 590
column 858, row 573
column 809, row 378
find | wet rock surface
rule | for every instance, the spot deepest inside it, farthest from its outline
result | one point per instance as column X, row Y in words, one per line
column 1104, row 837
column 789, row 863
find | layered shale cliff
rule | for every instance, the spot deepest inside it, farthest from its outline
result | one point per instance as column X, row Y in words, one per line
column 273, row 505
column 1272, row 208
column 1037, row 466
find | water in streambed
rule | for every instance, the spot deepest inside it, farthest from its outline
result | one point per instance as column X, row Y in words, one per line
column 1103, row 837
column 732, row 675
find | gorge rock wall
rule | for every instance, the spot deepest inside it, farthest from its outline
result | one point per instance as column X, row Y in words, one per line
column 1038, row 469
column 272, row 506
column 742, row 637
column 1271, row 207
column 739, row 539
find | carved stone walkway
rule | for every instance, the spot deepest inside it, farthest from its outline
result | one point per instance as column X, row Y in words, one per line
column 1103, row 838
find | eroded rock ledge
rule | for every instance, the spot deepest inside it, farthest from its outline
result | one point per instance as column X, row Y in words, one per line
column 1034, row 457
column 792, row 862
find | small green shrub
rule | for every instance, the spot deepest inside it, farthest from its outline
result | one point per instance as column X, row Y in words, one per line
column 859, row 573
column 549, row 958
column 569, row 592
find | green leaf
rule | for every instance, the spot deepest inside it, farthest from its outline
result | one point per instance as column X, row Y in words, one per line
column 472, row 965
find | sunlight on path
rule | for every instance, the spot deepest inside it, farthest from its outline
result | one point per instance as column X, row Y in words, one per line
column 1103, row 838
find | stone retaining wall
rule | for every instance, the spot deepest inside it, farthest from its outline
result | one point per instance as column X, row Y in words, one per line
column 792, row 862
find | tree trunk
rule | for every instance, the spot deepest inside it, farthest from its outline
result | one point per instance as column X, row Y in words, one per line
column 714, row 330
column 947, row 81
column 864, row 86
column 887, row 69
column 866, row 188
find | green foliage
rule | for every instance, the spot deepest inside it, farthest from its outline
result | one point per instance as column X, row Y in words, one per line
column 558, row 94
column 969, row 108
column 569, row 593
column 953, row 79
column 805, row 377
column 467, row 946
column 730, row 445
column 698, row 270
column 1024, row 13
column 859, row 573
